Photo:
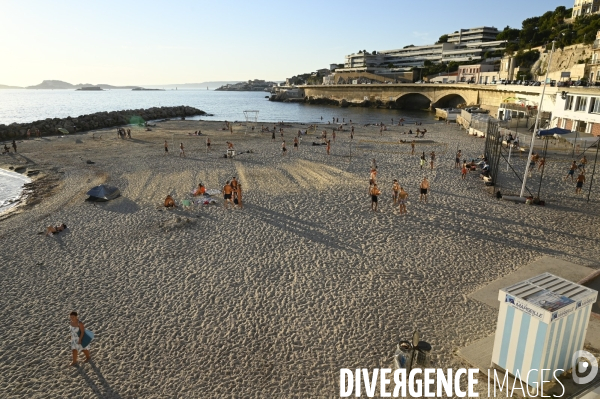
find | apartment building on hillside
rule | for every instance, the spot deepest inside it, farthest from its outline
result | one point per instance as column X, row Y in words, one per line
column 585, row 7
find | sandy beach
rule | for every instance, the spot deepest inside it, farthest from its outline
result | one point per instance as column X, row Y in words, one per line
column 270, row 300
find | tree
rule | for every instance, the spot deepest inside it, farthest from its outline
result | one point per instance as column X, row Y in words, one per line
column 442, row 39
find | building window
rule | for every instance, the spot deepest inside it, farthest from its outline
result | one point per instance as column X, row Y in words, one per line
column 595, row 105
column 581, row 126
column 569, row 103
column 581, row 104
column 563, row 123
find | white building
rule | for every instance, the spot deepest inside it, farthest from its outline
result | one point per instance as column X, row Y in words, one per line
column 464, row 45
column 578, row 112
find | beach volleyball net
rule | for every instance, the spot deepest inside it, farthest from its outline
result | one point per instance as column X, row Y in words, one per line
column 251, row 119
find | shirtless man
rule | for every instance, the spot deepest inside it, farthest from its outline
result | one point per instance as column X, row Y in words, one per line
column 207, row 144
column 424, row 190
column 402, row 197
column 234, row 183
column 283, row 149
column 432, row 156
column 395, row 191
column 457, row 159
column 412, row 148
column 166, row 147
column 571, row 170
column 328, row 146
column 374, row 191
column 181, row 151
column 582, row 162
column 580, row 181
column 239, row 196
column 227, row 191
column 296, row 142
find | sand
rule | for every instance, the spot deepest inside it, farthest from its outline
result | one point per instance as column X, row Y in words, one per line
column 266, row 301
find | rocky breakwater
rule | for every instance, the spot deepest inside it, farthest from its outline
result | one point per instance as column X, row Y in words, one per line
column 98, row 120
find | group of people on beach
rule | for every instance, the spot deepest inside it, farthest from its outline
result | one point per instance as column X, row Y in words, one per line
column 35, row 132
column 6, row 149
column 232, row 193
column 123, row 133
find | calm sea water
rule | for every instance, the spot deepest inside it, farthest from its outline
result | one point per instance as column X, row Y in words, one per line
column 30, row 105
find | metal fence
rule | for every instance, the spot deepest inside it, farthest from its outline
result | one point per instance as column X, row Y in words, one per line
column 493, row 148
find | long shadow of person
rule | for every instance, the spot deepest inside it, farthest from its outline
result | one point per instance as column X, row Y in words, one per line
column 104, row 391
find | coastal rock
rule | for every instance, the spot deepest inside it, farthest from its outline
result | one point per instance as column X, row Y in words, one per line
column 98, row 120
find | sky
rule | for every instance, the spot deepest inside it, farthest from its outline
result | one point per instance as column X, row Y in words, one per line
column 191, row 41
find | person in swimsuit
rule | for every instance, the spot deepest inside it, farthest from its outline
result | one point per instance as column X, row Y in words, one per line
column 170, row 202
column 463, row 171
column 582, row 162
column 181, row 151
column 422, row 160
column 77, row 332
column 234, row 184
column 542, row 163
column 207, row 144
column 227, row 191
column 374, row 191
column 580, row 181
column 51, row 230
column 402, row 197
column 395, row 191
column 424, row 189
column 328, row 146
column 412, row 148
column 571, row 170
column 457, row 159
column 296, row 143
column 283, row 149
column 432, row 156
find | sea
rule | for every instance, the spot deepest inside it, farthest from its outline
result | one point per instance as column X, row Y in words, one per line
column 26, row 105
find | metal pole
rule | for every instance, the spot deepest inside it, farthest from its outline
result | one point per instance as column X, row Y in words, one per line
column 593, row 170
column 574, row 144
column 543, row 167
column 537, row 123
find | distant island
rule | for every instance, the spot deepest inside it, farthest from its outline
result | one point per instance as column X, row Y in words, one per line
column 60, row 85
column 90, row 88
column 251, row 85
column 143, row 89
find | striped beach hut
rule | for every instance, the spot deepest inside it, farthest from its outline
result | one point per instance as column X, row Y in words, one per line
column 542, row 322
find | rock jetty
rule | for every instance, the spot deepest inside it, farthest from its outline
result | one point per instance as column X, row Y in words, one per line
column 99, row 120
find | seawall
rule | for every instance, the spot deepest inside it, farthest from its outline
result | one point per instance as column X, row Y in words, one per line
column 98, row 120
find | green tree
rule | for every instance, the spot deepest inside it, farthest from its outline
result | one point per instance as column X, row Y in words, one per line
column 442, row 39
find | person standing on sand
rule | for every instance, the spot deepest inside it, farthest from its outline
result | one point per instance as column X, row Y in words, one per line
column 412, row 148
column 424, row 190
column 580, row 181
column 328, row 146
column 14, row 146
column 283, row 149
column 464, row 170
column 77, row 332
column 571, row 170
column 207, row 144
column 166, row 147
column 432, row 155
column 296, row 142
column 457, row 159
column 542, row 163
column 181, row 150
column 234, row 184
column 333, row 136
column 374, row 191
column 402, row 198
column 273, row 135
column 227, row 191
column 395, row 191
column 422, row 159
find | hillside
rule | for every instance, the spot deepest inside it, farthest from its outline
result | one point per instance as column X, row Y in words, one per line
column 9, row 87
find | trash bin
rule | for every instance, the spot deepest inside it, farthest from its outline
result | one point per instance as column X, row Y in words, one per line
column 404, row 358
column 542, row 322
column 230, row 153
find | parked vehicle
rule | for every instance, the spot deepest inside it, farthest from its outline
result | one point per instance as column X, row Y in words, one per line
column 563, row 84
column 552, row 83
column 537, row 84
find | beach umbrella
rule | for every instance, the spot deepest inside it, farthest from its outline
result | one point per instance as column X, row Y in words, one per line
column 103, row 193
column 63, row 130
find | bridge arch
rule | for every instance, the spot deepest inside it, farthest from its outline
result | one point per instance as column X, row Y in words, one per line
column 413, row 101
column 451, row 100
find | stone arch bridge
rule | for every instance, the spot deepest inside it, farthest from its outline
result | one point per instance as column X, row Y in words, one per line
column 414, row 96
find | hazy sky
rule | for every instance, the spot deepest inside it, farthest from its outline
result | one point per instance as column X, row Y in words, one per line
column 151, row 42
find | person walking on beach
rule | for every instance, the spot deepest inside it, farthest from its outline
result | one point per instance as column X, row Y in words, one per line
column 273, row 135
column 395, row 191
column 402, row 198
column 166, row 147
column 234, row 184
column 580, row 181
column 582, row 162
column 457, row 159
column 374, row 196
column 227, row 191
column 571, row 170
column 412, row 148
column 296, row 142
column 432, row 155
column 542, row 163
column 14, row 146
column 181, row 150
column 283, row 149
column 77, row 332
column 207, row 144
column 424, row 190
column 239, row 196
column 463, row 171
column 333, row 136
column 328, row 146
column 422, row 159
